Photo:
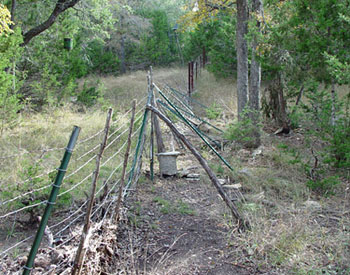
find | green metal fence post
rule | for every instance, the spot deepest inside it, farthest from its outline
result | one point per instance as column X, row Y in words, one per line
column 52, row 199
column 138, row 146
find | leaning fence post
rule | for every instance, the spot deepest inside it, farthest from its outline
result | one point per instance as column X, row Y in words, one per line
column 79, row 258
column 52, row 199
column 189, row 79
column 192, row 86
column 126, row 158
column 150, row 90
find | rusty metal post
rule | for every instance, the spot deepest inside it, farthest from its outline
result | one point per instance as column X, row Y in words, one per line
column 189, row 79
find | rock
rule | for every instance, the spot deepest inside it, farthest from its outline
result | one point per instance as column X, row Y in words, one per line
column 258, row 151
column 193, row 176
column 243, row 153
column 246, row 172
column 222, row 181
column 233, row 186
column 109, row 251
column 312, row 205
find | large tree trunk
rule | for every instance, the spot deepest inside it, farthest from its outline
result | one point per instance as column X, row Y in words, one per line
column 242, row 55
column 255, row 80
column 61, row 6
column 13, row 9
column 276, row 105
column 122, row 55
column 255, row 68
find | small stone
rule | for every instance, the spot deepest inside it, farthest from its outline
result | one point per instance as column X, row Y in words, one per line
column 222, row 181
column 192, row 175
column 243, row 153
column 312, row 204
column 233, row 186
column 109, row 251
column 246, row 172
column 258, row 151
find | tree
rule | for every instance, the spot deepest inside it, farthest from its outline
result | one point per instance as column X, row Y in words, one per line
column 242, row 55
column 61, row 6
column 5, row 20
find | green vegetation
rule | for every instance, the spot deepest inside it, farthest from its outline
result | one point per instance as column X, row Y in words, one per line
column 293, row 155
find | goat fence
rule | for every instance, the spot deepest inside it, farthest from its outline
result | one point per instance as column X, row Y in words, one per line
column 110, row 148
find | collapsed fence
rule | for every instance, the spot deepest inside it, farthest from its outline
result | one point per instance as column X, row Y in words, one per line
column 109, row 187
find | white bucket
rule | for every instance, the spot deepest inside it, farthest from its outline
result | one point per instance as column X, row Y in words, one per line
column 167, row 163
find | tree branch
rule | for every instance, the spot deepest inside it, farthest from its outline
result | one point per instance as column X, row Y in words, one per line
column 61, row 6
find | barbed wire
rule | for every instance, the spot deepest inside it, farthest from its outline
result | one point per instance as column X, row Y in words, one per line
column 15, row 245
column 137, row 104
column 23, row 208
column 77, row 211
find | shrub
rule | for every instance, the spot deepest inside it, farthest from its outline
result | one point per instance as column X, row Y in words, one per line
column 244, row 131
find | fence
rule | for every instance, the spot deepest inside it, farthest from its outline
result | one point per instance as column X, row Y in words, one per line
column 108, row 188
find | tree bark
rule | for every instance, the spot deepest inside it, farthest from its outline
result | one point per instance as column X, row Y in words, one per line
column 13, row 9
column 278, row 104
column 242, row 55
column 255, row 81
column 61, row 6
column 255, row 68
column 122, row 55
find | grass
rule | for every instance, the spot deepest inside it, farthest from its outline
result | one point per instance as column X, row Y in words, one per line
column 287, row 235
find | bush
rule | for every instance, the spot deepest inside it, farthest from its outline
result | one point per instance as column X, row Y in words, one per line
column 9, row 99
column 333, row 131
column 90, row 94
column 324, row 186
column 244, row 132
column 213, row 112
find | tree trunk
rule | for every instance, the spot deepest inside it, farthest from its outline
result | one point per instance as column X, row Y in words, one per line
column 255, row 81
column 122, row 55
column 255, row 68
column 242, row 55
column 13, row 9
column 278, row 105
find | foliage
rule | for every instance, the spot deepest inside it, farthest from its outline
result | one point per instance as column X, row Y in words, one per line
column 9, row 99
column 101, row 59
column 5, row 20
column 213, row 112
column 90, row 94
column 244, row 131
column 324, row 186
column 160, row 46
column 333, row 131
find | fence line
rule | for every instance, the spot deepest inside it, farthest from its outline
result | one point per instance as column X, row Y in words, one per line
column 108, row 199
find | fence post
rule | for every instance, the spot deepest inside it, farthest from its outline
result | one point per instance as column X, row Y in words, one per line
column 192, row 86
column 126, row 158
column 150, row 90
column 189, row 79
column 138, row 145
column 204, row 57
column 52, row 199
column 83, row 245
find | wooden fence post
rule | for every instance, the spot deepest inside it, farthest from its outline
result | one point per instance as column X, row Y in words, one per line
column 84, row 241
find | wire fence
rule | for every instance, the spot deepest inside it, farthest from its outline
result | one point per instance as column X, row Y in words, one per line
column 26, row 204
column 73, row 180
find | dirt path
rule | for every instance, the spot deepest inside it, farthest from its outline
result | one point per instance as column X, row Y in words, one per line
column 177, row 226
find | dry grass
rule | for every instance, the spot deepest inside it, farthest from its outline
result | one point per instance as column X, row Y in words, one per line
column 289, row 234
